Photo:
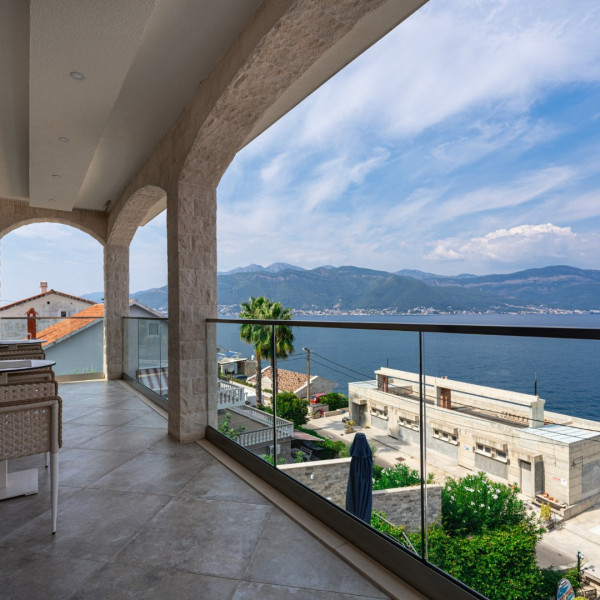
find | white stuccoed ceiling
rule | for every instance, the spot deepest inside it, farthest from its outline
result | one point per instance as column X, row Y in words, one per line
column 142, row 60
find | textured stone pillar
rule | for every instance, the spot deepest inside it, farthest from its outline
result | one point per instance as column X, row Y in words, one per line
column 192, row 258
column 116, row 306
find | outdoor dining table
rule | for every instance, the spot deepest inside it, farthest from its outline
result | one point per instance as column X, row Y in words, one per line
column 21, row 483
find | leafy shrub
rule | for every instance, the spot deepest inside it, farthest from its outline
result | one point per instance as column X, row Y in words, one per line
column 335, row 400
column 550, row 579
column 269, row 458
column 290, row 407
column 226, row 429
column 399, row 475
column 499, row 564
column 473, row 504
column 379, row 521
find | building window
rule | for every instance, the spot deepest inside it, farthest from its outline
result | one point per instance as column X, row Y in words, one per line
column 63, row 313
column 409, row 422
column 491, row 452
column 153, row 329
column 446, row 436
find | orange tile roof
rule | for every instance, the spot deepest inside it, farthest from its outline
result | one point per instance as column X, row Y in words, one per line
column 70, row 325
column 287, row 381
column 45, row 294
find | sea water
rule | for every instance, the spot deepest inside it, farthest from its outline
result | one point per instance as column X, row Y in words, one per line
column 564, row 372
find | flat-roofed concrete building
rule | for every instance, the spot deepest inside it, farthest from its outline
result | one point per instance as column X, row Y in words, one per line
column 506, row 434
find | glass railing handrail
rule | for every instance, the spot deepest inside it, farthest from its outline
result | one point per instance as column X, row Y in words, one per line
column 582, row 333
column 146, row 318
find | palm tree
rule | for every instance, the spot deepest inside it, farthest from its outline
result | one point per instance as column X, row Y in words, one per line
column 260, row 336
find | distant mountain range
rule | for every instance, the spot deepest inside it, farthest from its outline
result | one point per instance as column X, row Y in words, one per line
column 353, row 289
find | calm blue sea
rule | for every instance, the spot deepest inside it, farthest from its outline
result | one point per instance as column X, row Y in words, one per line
column 567, row 371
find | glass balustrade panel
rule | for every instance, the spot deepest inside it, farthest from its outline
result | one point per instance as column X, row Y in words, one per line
column 513, row 442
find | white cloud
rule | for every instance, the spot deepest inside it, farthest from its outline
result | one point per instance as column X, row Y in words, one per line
column 545, row 242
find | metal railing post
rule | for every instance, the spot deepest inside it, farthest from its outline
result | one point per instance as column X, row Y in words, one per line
column 423, row 444
column 274, row 390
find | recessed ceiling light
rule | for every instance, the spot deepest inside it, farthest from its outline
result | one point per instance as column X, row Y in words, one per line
column 63, row 139
column 77, row 75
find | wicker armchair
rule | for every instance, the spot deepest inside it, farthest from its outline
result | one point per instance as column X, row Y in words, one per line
column 32, row 426
column 24, row 350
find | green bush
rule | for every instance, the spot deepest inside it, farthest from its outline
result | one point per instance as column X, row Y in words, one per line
column 499, row 564
column 226, row 429
column 335, row 400
column 550, row 579
column 473, row 504
column 379, row 521
column 399, row 475
column 269, row 458
column 290, row 407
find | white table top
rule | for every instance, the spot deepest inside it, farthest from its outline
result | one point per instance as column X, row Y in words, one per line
column 15, row 342
column 8, row 366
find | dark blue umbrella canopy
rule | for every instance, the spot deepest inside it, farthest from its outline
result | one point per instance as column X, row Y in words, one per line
column 359, row 493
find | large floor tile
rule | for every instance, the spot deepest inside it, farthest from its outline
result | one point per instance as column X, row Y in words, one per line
column 125, row 438
column 27, row 576
column 77, row 434
column 150, row 419
column 170, row 446
column 208, row 537
column 104, row 416
column 265, row 591
column 287, row 555
column 79, row 467
column 154, row 473
column 17, row 512
column 92, row 524
column 118, row 581
column 217, row 482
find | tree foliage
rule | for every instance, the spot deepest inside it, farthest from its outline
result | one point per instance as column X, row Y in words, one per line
column 261, row 336
column 290, row 407
column 335, row 400
column 474, row 504
column 399, row 475
column 499, row 564
column 486, row 539
column 226, row 428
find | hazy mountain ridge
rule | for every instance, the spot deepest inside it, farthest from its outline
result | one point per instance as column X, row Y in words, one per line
column 349, row 289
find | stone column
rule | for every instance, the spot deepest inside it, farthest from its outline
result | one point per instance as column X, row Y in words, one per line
column 192, row 259
column 116, row 306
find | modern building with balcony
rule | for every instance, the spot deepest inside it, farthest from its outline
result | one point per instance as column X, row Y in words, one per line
column 503, row 433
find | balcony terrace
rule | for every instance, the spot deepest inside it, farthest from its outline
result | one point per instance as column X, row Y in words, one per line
column 143, row 516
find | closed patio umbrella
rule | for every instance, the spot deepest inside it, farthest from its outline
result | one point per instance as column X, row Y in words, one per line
column 359, row 493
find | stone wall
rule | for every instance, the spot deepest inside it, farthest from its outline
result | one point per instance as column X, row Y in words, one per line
column 402, row 506
column 328, row 478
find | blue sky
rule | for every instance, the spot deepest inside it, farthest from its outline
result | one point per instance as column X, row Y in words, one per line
column 467, row 140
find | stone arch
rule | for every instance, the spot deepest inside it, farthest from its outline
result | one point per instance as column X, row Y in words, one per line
column 300, row 34
column 140, row 207
column 15, row 214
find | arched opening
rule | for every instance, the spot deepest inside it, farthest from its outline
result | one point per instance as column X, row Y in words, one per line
column 121, row 354
column 53, row 271
column 146, row 329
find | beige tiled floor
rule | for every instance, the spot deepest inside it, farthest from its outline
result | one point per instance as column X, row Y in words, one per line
column 143, row 517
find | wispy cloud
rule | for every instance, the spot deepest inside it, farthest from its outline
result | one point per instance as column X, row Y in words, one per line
column 538, row 243
column 451, row 127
